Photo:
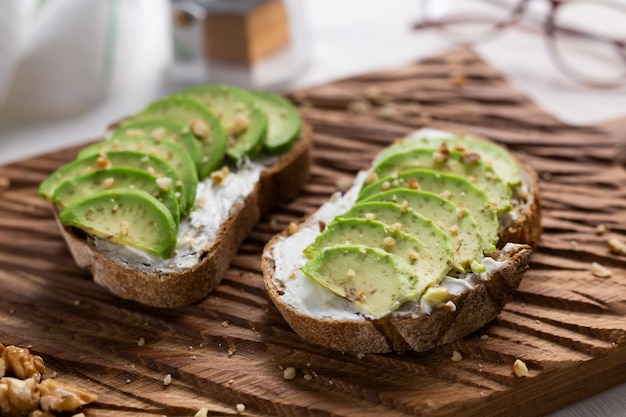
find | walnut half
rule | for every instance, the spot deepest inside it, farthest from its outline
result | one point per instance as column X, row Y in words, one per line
column 21, row 363
column 18, row 396
column 58, row 396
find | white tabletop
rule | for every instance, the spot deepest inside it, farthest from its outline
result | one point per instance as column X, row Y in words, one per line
column 346, row 37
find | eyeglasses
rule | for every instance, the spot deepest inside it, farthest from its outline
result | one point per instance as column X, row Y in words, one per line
column 586, row 39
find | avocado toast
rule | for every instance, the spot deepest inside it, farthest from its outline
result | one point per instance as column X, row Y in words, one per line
column 157, row 210
column 418, row 253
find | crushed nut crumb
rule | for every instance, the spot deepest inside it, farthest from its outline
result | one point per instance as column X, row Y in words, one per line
column 600, row 271
column 289, row 373
column 240, row 124
column 456, row 356
column 164, row 183
column 124, row 228
column 519, row 368
column 203, row 412
column 141, row 341
column 240, row 408
column 292, row 228
column 601, row 229
column 343, row 184
column 371, row 178
column 167, row 380
column 322, row 225
column 389, row 241
column 224, row 324
column 617, row 246
column 199, row 128
column 103, row 163
column 484, row 337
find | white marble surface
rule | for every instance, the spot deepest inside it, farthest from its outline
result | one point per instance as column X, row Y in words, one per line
column 346, row 37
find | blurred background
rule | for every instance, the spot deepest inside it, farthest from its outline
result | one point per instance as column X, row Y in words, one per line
column 69, row 67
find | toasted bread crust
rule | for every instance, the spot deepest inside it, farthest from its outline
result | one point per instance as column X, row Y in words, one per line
column 279, row 182
column 472, row 309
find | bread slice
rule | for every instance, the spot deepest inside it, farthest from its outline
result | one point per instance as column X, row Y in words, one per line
column 321, row 317
column 130, row 276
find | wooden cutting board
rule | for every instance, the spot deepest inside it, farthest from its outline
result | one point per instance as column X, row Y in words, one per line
column 568, row 325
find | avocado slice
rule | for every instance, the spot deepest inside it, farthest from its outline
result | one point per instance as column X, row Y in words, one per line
column 457, row 223
column 502, row 162
column 408, row 222
column 374, row 280
column 455, row 162
column 83, row 186
column 130, row 217
column 170, row 152
column 202, row 122
column 243, row 120
column 113, row 159
column 283, row 121
column 163, row 129
column 357, row 231
column 458, row 190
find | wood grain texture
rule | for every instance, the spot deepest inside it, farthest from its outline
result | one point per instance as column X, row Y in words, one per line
column 566, row 324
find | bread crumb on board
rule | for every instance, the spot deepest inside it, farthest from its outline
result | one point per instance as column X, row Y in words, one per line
column 519, row 368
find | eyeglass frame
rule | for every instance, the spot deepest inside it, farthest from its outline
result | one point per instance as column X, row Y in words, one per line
column 549, row 30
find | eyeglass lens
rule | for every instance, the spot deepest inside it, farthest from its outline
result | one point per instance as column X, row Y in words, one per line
column 587, row 38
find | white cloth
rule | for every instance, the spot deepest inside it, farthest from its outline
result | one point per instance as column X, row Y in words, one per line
column 60, row 57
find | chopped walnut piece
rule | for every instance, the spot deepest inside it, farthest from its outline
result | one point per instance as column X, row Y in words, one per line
column 470, row 157
column 617, row 246
column 413, row 184
column 289, row 373
column 124, row 228
column 108, row 183
column 164, row 183
column 292, row 228
column 103, row 163
column 21, row 363
column 167, row 379
column 600, row 271
column 219, row 176
column 57, row 396
column 240, row 124
column 371, row 178
column 18, row 396
column 519, row 368
column 344, row 184
column 158, row 133
column 442, row 154
column 199, row 128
